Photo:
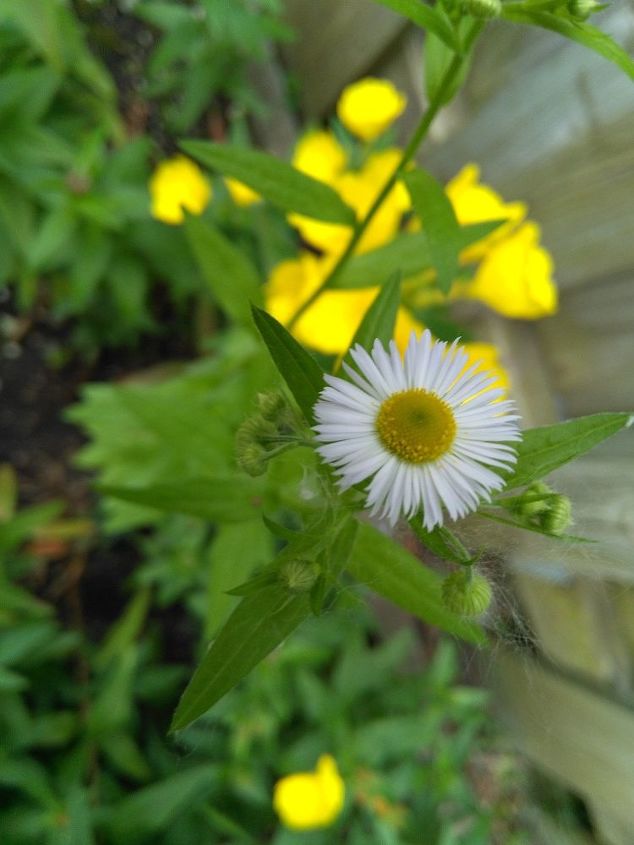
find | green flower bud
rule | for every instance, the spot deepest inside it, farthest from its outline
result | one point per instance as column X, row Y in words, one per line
column 482, row 8
column 251, row 459
column 582, row 9
column 299, row 575
column 529, row 505
column 465, row 593
column 254, row 430
column 272, row 405
column 558, row 517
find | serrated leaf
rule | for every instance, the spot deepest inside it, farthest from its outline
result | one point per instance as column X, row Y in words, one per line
column 440, row 225
column 258, row 624
column 426, row 17
column 219, row 499
column 277, row 181
column 543, row 449
column 232, row 279
column 583, row 33
column 390, row 570
column 298, row 368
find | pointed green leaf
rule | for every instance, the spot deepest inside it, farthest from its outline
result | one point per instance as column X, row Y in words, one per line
column 440, row 225
column 232, row 279
column 390, row 570
column 219, row 499
column 258, row 624
column 275, row 180
column 407, row 253
column 583, row 33
column 441, row 542
column 544, row 449
column 427, row 17
column 380, row 318
column 298, row 368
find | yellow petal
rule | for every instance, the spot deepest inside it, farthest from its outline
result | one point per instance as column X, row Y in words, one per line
column 310, row 800
column 176, row 185
column 515, row 277
column 240, row 193
column 368, row 107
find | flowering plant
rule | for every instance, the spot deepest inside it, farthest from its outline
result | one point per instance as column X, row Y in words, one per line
column 383, row 417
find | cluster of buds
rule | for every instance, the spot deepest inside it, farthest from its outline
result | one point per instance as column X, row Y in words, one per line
column 542, row 508
column 266, row 433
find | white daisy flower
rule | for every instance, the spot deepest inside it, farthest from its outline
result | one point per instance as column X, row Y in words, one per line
column 427, row 434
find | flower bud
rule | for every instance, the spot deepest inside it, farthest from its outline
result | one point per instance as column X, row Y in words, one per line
column 272, row 405
column 582, row 9
column 557, row 518
column 530, row 505
column 251, row 459
column 483, row 8
column 299, row 575
column 465, row 593
column 254, row 430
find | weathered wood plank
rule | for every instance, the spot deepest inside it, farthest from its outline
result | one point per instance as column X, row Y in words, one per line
column 336, row 42
column 585, row 740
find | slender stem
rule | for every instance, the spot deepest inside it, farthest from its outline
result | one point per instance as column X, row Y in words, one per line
column 408, row 153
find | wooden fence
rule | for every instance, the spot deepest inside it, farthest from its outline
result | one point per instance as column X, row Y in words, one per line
column 551, row 124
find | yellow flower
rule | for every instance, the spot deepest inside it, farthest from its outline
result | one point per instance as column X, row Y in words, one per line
column 359, row 189
column 331, row 322
column 477, row 203
column 177, row 184
column 369, row 106
column 488, row 357
column 310, row 800
column 240, row 193
column 320, row 155
column 515, row 277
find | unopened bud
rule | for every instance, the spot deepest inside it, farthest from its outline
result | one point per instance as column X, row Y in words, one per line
column 251, row 459
column 272, row 405
column 558, row 517
column 582, row 9
column 254, row 430
column 483, row 8
column 465, row 593
column 530, row 504
column 299, row 575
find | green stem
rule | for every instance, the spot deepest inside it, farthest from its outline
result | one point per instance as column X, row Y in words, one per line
column 409, row 152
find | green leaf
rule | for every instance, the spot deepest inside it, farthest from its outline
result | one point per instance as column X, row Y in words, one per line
column 440, row 225
column 544, row 449
column 380, row 318
column 219, row 499
column 438, row 56
column 407, row 253
column 237, row 550
column 441, row 542
column 428, row 18
column 394, row 573
column 231, row 277
column 298, row 368
column 151, row 809
column 583, row 33
column 258, row 624
column 275, row 180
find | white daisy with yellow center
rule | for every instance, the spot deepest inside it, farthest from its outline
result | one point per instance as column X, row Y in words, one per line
column 428, row 431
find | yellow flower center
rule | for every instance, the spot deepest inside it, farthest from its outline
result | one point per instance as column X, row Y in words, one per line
column 416, row 426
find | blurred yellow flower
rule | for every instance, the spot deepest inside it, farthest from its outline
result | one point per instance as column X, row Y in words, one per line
column 515, row 276
column 176, row 185
column 240, row 193
column 368, row 107
column 310, row 800
column 359, row 189
column 474, row 202
column 320, row 155
column 331, row 322
column 488, row 357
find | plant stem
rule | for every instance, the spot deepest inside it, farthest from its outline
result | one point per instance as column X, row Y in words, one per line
column 408, row 154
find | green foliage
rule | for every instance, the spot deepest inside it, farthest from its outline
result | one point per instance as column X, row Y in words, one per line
column 429, row 18
column 379, row 320
column 204, row 52
column 277, row 181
